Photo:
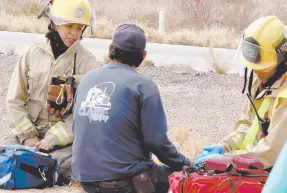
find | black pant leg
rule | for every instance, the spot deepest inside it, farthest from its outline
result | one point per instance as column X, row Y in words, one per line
column 93, row 187
column 162, row 184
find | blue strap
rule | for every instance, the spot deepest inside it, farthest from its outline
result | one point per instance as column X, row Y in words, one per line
column 57, row 168
column 20, row 147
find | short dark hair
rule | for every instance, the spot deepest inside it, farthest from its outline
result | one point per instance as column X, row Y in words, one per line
column 126, row 57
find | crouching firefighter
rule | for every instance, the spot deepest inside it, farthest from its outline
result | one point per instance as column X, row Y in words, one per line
column 261, row 130
column 119, row 121
column 40, row 95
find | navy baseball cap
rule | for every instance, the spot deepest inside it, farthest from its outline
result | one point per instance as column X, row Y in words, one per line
column 129, row 37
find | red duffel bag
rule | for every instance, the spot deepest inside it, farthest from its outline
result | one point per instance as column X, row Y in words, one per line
column 232, row 180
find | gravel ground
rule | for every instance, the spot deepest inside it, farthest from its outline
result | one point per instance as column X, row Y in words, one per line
column 205, row 103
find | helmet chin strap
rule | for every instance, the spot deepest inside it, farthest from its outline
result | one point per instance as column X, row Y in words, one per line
column 83, row 32
column 247, row 81
column 57, row 44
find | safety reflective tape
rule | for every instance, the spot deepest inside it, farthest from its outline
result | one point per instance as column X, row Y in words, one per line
column 227, row 147
column 253, row 130
column 241, row 137
column 65, row 133
column 235, row 141
column 62, row 134
column 58, row 135
column 272, row 107
column 232, row 143
column 24, row 125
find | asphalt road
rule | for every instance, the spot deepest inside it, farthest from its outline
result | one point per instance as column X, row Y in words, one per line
column 161, row 54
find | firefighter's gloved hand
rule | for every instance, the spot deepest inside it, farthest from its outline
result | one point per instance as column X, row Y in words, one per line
column 212, row 149
column 56, row 99
column 218, row 148
column 209, row 151
column 70, row 91
column 199, row 162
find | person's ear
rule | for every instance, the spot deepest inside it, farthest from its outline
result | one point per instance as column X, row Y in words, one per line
column 144, row 54
column 54, row 27
column 110, row 48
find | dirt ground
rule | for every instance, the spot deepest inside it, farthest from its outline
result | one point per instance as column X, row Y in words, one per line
column 200, row 106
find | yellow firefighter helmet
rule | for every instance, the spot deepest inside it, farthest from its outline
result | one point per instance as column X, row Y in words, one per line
column 71, row 11
column 262, row 43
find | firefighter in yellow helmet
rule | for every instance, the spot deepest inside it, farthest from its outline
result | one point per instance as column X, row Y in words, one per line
column 40, row 94
column 261, row 129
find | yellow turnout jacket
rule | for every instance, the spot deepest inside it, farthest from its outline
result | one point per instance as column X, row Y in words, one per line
column 28, row 89
column 247, row 137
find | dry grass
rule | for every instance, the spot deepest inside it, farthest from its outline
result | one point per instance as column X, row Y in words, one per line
column 216, row 65
column 101, row 62
column 106, row 59
column 147, row 63
column 22, row 23
column 216, row 23
column 187, row 142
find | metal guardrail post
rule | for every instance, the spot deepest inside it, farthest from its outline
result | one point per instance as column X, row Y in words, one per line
column 161, row 21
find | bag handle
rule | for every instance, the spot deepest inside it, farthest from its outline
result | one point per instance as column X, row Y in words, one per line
column 233, row 171
column 186, row 170
column 228, row 170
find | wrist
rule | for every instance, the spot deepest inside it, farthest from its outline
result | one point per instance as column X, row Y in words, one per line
column 50, row 138
column 23, row 136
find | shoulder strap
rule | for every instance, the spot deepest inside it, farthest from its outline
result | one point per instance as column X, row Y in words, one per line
column 253, row 130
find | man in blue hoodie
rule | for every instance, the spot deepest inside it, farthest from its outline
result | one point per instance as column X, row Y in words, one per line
column 119, row 121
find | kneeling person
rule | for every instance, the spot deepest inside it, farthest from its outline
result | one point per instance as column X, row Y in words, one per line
column 261, row 130
column 30, row 87
column 119, row 121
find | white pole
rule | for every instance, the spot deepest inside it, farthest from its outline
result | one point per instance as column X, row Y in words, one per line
column 161, row 22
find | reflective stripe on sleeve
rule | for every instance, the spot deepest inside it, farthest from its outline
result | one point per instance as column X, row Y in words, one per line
column 24, row 125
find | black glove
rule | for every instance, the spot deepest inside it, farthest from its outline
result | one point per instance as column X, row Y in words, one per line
column 70, row 92
column 56, row 100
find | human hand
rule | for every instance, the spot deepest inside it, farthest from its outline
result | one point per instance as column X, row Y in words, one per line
column 192, row 160
column 31, row 141
column 218, row 148
column 201, row 161
column 208, row 152
column 44, row 144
